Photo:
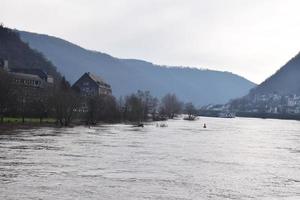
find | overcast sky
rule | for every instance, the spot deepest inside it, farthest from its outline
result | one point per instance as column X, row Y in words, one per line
column 252, row 38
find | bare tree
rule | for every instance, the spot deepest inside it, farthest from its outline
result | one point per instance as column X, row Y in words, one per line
column 190, row 110
column 149, row 103
column 133, row 108
column 40, row 108
column 170, row 106
column 139, row 106
column 102, row 108
column 5, row 93
column 93, row 109
column 64, row 100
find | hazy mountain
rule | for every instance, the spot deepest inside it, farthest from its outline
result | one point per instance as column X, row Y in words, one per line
column 20, row 55
column 285, row 81
column 128, row 75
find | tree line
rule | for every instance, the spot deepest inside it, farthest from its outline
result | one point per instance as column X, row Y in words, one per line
column 64, row 103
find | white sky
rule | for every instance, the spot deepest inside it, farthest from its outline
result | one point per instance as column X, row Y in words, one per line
column 252, row 38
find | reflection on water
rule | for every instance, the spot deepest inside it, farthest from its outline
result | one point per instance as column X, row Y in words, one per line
column 232, row 159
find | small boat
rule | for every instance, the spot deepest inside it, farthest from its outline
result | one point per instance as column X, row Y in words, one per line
column 139, row 125
column 163, row 125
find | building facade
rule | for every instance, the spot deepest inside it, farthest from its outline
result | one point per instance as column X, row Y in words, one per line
column 92, row 85
column 29, row 84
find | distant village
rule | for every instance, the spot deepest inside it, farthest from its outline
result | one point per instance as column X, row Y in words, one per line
column 258, row 105
column 274, row 103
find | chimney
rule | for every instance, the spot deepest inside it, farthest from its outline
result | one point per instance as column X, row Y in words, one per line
column 5, row 66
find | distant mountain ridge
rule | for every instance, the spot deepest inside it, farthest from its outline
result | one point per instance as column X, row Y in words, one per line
column 128, row 75
column 284, row 82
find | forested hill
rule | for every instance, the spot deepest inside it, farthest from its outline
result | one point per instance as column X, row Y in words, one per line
column 128, row 75
column 285, row 81
column 20, row 55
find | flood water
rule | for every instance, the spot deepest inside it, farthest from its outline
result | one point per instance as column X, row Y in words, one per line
column 237, row 158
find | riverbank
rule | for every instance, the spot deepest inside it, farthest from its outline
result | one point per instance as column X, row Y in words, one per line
column 5, row 127
column 268, row 115
column 11, row 124
column 254, row 115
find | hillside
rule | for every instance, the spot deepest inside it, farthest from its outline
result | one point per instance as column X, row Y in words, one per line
column 285, row 81
column 20, row 55
column 128, row 75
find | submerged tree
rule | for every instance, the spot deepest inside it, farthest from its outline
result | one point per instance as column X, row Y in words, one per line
column 170, row 106
column 139, row 106
column 148, row 102
column 190, row 110
column 133, row 110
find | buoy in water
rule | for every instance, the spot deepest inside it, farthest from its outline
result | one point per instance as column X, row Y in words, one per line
column 140, row 125
column 204, row 125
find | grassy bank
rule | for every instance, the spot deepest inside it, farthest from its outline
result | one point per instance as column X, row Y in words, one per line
column 10, row 123
column 16, row 120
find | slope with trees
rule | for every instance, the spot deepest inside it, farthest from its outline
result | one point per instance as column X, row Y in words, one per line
column 20, row 55
column 285, row 81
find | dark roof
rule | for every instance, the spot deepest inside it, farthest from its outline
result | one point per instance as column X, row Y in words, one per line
column 38, row 72
column 97, row 79
column 26, row 76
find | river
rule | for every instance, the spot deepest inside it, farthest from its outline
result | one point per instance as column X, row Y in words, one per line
column 238, row 158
